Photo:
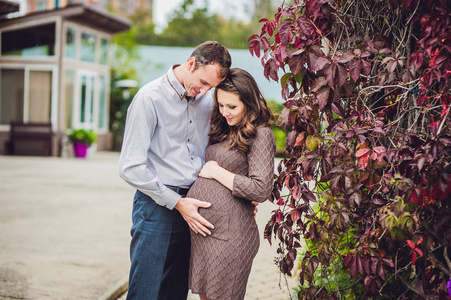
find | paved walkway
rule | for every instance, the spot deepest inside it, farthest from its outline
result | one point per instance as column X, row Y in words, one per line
column 64, row 231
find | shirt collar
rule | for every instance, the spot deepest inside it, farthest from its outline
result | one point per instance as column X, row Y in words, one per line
column 176, row 85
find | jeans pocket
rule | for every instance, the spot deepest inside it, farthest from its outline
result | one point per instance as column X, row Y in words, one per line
column 143, row 206
column 220, row 221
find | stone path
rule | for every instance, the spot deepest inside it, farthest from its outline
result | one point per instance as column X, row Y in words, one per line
column 64, row 231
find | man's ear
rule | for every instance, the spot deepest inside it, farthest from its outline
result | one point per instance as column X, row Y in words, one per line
column 191, row 63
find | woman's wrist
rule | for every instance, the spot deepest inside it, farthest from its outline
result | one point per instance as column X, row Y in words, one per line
column 217, row 172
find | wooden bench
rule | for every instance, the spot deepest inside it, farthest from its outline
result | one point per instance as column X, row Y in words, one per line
column 31, row 136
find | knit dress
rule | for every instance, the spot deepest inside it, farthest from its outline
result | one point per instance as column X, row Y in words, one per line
column 220, row 263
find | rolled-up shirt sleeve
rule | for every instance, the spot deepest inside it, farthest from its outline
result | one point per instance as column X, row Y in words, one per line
column 133, row 163
column 258, row 184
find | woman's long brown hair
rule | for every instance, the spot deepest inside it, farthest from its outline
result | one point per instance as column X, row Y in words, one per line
column 256, row 111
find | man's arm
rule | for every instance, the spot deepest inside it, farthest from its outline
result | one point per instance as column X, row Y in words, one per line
column 133, row 161
column 139, row 129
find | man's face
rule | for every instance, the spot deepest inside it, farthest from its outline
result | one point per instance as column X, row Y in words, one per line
column 201, row 80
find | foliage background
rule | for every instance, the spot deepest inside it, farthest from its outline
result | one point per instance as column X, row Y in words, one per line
column 189, row 26
column 367, row 165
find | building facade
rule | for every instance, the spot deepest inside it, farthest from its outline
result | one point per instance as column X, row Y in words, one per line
column 54, row 67
column 123, row 8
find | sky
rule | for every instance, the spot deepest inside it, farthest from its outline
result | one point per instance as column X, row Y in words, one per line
column 238, row 9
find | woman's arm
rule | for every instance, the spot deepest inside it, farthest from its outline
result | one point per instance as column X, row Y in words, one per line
column 212, row 170
column 258, row 183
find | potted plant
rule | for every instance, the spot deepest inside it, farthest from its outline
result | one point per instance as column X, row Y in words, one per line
column 82, row 139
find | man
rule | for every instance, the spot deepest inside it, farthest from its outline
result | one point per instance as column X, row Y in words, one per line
column 165, row 138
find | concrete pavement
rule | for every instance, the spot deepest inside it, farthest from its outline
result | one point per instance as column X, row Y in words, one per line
column 64, row 231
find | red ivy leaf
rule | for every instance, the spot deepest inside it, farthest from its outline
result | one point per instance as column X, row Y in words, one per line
column 353, row 267
column 323, row 96
column 305, row 25
column 366, row 67
column 270, row 70
column 354, row 68
column 381, row 271
column 279, row 216
column 291, row 138
column 322, row 61
column 253, row 37
column 388, row 262
column 359, row 264
column 336, row 108
column 346, row 57
column 271, row 26
column 414, row 257
column 416, row 59
column 313, row 54
column 296, row 63
column 295, row 215
column 420, row 240
column 391, row 66
column 330, row 74
column 318, row 83
column 254, row 48
column 363, row 161
column 362, row 152
column 418, row 250
column 296, row 193
column 411, row 244
column 265, row 43
column 342, row 74
column 285, row 30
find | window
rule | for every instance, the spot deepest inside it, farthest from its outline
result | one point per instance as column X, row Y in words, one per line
column 87, row 100
column 11, row 95
column 41, row 5
column 40, row 96
column 102, row 102
column 88, row 47
column 103, row 51
column 69, row 79
column 70, row 43
column 33, row 41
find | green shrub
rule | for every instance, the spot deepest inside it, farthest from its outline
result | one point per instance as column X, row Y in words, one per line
column 83, row 136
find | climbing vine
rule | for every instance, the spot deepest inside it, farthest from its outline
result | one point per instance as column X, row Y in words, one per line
column 363, row 191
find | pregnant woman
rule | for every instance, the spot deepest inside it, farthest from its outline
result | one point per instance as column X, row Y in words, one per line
column 239, row 170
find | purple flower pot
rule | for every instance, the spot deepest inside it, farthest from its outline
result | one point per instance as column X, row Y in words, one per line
column 80, row 149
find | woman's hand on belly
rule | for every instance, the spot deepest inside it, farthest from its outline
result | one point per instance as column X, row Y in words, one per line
column 214, row 171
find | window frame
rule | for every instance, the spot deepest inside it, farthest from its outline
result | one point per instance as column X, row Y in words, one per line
column 34, row 23
column 26, row 97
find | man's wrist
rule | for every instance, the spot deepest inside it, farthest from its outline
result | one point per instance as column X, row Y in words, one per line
column 171, row 199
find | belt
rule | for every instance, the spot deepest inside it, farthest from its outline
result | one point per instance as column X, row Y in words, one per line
column 178, row 190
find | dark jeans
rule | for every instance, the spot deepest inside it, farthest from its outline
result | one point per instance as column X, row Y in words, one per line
column 159, row 252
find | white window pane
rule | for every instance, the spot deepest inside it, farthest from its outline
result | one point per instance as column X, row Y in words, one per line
column 88, row 47
column 11, row 95
column 40, row 95
column 70, row 51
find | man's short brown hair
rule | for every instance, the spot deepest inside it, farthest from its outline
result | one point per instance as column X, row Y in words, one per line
column 212, row 52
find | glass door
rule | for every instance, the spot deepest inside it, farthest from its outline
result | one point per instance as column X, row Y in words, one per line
column 40, row 96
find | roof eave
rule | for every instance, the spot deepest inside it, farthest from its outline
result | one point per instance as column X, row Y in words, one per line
column 79, row 13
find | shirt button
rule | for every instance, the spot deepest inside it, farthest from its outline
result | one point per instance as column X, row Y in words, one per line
column 188, row 140
column 191, row 121
column 191, row 158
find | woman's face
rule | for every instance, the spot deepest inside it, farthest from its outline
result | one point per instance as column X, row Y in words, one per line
column 230, row 107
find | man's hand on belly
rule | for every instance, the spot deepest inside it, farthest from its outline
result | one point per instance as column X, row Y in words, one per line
column 188, row 208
